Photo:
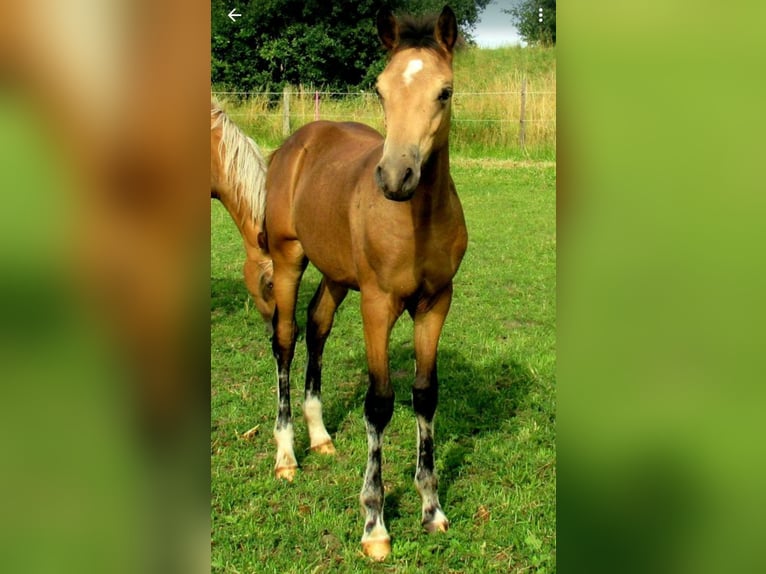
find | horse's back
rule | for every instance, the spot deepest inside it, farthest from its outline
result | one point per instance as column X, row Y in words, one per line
column 323, row 130
column 326, row 141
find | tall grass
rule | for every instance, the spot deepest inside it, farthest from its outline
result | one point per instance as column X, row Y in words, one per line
column 487, row 105
column 485, row 114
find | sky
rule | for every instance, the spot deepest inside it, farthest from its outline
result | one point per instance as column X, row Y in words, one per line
column 494, row 27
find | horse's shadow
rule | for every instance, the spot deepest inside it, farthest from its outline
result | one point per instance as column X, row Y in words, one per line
column 474, row 400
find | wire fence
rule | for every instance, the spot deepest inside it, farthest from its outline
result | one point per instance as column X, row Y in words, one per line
column 363, row 93
column 512, row 118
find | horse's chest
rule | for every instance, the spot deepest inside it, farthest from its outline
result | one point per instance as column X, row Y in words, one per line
column 415, row 261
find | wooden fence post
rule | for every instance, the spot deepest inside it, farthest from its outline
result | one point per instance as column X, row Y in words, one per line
column 286, row 111
column 522, row 123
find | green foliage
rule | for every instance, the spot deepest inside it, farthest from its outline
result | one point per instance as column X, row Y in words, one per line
column 525, row 15
column 328, row 44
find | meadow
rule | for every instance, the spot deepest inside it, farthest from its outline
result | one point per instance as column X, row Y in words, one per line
column 485, row 114
column 496, row 420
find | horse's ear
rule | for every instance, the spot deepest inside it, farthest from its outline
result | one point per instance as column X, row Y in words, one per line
column 388, row 28
column 446, row 29
column 263, row 242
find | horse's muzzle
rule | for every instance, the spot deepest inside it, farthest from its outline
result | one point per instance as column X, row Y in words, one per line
column 397, row 181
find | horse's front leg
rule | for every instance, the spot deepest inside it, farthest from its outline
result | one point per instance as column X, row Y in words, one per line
column 379, row 313
column 429, row 318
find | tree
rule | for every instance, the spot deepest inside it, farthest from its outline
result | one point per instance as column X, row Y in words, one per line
column 311, row 42
column 526, row 17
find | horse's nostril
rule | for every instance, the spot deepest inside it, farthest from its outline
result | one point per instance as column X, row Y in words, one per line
column 407, row 175
column 379, row 177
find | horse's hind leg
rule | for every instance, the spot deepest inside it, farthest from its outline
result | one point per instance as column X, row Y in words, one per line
column 289, row 263
column 320, row 317
column 429, row 318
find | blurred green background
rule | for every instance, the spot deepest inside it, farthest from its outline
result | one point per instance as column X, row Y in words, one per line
column 661, row 279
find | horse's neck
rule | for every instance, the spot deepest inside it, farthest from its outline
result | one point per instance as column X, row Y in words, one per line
column 241, row 217
column 435, row 181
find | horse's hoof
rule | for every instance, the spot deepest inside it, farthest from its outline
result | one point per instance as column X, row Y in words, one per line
column 377, row 549
column 324, row 448
column 437, row 526
column 286, row 472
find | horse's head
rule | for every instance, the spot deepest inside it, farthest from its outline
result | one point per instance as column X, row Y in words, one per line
column 264, row 296
column 259, row 278
column 415, row 90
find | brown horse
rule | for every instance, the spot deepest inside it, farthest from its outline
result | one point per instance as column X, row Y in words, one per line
column 237, row 178
column 380, row 216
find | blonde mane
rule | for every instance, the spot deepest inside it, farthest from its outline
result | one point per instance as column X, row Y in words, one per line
column 243, row 166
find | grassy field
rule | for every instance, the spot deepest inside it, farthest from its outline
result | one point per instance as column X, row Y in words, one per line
column 486, row 105
column 495, row 425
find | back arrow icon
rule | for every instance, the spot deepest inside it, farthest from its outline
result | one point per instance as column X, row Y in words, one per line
column 233, row 14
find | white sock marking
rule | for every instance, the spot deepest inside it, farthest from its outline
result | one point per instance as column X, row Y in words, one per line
column 312, row 412
column 285, row 454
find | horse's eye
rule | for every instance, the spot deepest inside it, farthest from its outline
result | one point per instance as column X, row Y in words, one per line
column 445, row 95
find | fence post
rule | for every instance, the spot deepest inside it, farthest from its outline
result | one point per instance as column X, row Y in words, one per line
column 286, row 111
column 522, row 123
column 316, row 105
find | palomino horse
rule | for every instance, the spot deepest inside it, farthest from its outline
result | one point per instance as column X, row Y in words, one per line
column 383, row 217
column 237, row 177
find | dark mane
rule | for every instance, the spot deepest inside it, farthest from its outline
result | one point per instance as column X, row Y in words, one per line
column 417, row 32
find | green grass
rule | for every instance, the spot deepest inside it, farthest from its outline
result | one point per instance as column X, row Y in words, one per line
column 495, row 425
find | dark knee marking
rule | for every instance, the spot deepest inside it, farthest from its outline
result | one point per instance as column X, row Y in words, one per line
column 378, row 410
column 424, row 400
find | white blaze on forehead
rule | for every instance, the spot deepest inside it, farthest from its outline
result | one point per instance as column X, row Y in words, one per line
column 413, row 67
